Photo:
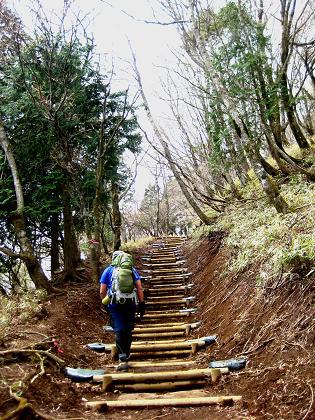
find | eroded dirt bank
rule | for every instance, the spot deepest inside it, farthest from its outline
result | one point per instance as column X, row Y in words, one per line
column 274, row 328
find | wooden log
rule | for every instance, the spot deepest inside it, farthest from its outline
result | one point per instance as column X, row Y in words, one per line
column 159, row 354
column 163, row 402
column 167, row 297
column 161, row 364
column 170, row 311
column 166, row 341
column 176, row 375
column 165, row 324
column 158, row 283
column 160, row 334
column 170, row 315
column 162, row 386
column 166, row 303
column 153, row 281
column 179, row 276
column 160, row 292
column 149, row 364
column 181, row 301
column 157, row 329
column 159, row 286
column 170, row 271
column 166, row 346
column 159, row 279
column 160, row 264
column 170, row 258
column 172, row 276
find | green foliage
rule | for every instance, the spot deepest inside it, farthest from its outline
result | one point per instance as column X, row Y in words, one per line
column 259, row 236
column 52, row 106
column 140, row 243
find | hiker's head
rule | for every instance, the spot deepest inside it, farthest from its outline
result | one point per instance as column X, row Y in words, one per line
column 116, row 253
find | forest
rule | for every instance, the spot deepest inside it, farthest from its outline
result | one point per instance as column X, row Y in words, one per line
column 232, row 158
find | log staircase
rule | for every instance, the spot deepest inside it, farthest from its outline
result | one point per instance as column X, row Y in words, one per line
column 163, row 352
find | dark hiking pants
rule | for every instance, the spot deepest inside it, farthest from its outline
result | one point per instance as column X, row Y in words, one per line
column 122, row 318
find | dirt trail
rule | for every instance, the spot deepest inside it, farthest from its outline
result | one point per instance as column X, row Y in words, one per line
column 274, row 384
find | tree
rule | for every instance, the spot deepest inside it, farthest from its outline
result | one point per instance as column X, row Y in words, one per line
column 68, row 134
column 241, row 89
column 161, row 137
column 17, row 219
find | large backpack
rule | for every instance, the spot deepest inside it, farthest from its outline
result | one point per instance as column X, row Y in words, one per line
column 123, row 287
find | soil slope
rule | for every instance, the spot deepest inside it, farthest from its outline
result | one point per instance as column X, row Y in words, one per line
column 273, row 328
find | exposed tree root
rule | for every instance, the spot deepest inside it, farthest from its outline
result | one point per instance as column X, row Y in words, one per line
column 46, row 353
column 23, row 410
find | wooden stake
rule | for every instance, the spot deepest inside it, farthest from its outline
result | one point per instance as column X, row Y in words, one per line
column 194, row 348
column 107, row 382
column 187, row 329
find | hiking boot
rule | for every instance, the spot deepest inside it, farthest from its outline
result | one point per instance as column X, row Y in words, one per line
column 122, row 367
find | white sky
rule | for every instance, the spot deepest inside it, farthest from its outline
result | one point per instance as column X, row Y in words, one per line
column 112, row 29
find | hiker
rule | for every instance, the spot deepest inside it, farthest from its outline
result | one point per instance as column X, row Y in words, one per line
column 121, row 291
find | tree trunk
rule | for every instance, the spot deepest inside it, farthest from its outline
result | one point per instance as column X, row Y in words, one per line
column 54, row 247
column 268, row 185
column 28, row 255
column 290, row 111
column 203, row 217
column 116, row 217
column 71, row 251
column 287, row 38
column 30, row 260
column 268, row 168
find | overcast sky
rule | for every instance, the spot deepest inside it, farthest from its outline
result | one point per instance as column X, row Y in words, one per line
column 113, row 23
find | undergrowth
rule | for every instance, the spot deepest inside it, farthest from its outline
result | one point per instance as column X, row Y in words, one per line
column 18, row 309
column 279, row 244
column 137, row 244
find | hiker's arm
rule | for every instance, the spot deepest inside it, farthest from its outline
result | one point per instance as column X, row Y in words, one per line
column 139, row 291
column 138, row 284
column 103, row 290
column 104, row 282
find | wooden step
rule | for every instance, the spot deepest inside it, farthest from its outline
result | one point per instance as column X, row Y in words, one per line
column 170, row 297
column 111, row 379
column 163, row 328
column 163, row 402
column 161, row 354
column 159, row 334
column 158, row 346
column 164, row 324
column 170, row 301
column 161, row 363
column 161, row 386
column 171, row 311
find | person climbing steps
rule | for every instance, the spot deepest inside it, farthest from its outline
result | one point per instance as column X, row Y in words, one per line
column 121, row 292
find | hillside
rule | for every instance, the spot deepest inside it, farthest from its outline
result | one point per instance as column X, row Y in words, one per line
column 274, row 328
